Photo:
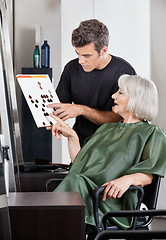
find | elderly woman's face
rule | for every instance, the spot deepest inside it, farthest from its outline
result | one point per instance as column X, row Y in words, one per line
column 121, row 102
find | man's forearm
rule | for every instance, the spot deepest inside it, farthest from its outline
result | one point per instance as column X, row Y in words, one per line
column 99, row 117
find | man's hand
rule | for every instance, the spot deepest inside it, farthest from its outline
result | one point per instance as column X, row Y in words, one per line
column 65, row 110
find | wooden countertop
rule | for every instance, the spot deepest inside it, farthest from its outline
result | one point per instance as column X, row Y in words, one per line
column 41, row 199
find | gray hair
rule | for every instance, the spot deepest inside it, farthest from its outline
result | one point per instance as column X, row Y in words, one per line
column 91, row 31
column 143, row 101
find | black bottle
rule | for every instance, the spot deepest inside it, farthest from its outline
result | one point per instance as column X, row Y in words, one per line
column 45, row 55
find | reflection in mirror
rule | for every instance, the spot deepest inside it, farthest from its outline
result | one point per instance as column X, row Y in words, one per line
column 8, row 103
column 4, row 110
column 5, row 232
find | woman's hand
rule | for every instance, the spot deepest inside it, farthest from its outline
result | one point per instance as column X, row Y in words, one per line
column 73, row 141
column 61, row 128
column 116, row 188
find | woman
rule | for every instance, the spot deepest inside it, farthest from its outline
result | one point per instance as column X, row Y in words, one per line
column 118, row 154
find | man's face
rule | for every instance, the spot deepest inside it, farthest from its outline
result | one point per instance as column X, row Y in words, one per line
column 88, row 57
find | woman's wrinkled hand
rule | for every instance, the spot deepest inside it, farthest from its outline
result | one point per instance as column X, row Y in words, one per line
column 61, row 128
column 116, row 188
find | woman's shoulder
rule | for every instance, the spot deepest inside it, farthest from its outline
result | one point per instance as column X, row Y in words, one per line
column 144, row 127
column 155, row 129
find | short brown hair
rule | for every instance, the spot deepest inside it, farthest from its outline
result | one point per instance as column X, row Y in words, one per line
column 91, row 31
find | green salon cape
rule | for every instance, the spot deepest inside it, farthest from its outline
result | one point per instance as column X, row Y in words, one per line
column 114, row 150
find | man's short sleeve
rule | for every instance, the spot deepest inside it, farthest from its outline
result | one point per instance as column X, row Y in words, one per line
column 63, row 89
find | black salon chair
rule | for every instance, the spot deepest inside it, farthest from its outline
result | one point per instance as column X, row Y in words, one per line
column 131, row 234
column 147, row 195
column 52, row 183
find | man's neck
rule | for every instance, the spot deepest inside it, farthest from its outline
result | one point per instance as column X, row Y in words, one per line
column 105, row 61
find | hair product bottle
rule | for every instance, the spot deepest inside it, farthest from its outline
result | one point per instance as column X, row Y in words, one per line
column 36, row 57
column 45, row 55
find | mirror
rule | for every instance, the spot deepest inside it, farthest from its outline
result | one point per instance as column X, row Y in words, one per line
column 8, row 104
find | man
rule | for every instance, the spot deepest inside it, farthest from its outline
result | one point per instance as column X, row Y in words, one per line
column 90, row 80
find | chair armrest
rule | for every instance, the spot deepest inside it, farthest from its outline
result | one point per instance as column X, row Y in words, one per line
column 127, row 213
column 130, row 234
column 95, row 198
column 52, row 180
column 140, row 194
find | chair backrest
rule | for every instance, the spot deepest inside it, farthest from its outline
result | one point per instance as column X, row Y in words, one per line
column 151, row 192
column 150, row 198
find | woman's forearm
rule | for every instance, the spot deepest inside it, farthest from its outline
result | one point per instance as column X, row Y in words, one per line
column 141, row 179
column 117, row 187
column 73, row 147
column 73, row 141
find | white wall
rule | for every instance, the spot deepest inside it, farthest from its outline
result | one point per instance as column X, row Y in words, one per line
column 158, row 69
column 72, row 13
column 28, row 13
column 158, row 53
column 129, row 25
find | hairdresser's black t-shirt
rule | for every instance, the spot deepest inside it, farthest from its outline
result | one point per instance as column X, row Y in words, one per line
column 93, row 89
